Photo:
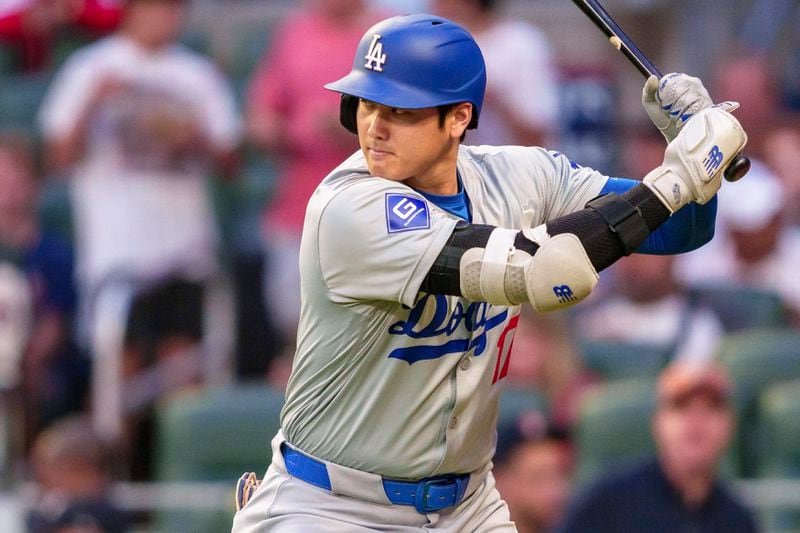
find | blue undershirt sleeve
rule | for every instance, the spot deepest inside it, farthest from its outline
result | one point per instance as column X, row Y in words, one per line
column 686, row 230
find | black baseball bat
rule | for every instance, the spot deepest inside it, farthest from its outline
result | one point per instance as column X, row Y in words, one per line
column 620, row 40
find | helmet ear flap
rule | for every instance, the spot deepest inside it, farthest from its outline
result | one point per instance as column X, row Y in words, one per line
column 473, row 123
column 347, row 112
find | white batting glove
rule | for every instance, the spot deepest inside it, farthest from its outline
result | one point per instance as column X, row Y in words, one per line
column 674, row 99
column 695, row 160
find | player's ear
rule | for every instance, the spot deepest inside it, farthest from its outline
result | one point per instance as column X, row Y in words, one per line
column 462, row 115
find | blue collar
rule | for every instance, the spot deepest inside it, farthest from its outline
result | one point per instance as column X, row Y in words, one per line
column 456, row 204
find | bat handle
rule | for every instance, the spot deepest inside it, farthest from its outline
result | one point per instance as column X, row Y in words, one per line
column 597, row 14
column 737, row 169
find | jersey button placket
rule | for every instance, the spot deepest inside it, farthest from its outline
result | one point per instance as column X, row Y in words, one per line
column 453, row 422
column 465, row 363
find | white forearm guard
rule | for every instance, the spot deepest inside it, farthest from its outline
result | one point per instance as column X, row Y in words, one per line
column 557, row 276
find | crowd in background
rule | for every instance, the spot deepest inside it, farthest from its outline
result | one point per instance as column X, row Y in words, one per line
column 163, row 167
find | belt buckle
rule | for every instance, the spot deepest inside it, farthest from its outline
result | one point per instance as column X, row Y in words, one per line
column 456, row 484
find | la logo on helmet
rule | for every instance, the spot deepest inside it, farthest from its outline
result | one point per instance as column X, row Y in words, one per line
column 375, row 56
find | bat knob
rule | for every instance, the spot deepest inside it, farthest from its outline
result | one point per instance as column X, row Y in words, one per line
column 737, row 169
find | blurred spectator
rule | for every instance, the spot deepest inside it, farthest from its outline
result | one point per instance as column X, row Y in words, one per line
column 768, row 27
column 679, row 489
column 755, row 246
column 97, row 15
column 711, row 22
column 140, row 122
column 646, row 306
column 532, row 468
column 402, row 7
column 750, row 81
column 290, row 115
column 30, row 26
column 72, row 468
column 521, row 102
column 544, row 356
column 782, row 156
column 38, row 339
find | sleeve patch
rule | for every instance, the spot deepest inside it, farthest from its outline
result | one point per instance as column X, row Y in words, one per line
column 406, row 213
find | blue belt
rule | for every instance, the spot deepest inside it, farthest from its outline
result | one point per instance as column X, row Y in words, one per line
column 426, row 495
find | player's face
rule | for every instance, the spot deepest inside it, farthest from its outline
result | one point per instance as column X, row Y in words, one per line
column 693, row 433
column 410, row 144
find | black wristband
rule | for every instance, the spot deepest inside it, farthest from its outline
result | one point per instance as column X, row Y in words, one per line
column 623, row 218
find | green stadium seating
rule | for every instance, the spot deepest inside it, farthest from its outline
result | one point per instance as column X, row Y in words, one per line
column 249, row 46
column 514, row 402
column 196, row 40
column 740, row 308
column 67, row 42
column 621, row 360
column 239, row 204
column 55, row 208
column 214, row 435
column 756, row 360
column 614, row 426
column 8, row 59
column 779, row 446
column 20, row 98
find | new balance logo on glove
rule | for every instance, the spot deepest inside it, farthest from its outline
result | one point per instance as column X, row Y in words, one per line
column 564, row 294
column 713, row 160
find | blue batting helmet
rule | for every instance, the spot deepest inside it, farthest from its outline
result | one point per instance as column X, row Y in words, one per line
column 414, row 62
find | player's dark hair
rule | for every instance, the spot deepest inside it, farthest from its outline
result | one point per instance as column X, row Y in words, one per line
column 443, row 111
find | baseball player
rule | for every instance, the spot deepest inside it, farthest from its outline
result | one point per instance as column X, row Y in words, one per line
column 416, row 254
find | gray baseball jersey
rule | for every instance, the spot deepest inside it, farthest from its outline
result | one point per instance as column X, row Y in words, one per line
column 387, row 379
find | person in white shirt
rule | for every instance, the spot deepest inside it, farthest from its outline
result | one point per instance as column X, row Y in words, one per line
column 139, row 122
column 649, row 307
column 756, row 245
column 521, row 102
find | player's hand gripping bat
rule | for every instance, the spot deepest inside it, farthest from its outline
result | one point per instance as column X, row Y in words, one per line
column 620, row 40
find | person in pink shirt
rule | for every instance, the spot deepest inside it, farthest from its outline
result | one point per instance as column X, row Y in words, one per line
column 291, row 116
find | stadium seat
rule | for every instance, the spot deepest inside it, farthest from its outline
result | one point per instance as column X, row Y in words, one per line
column 67, row 42
column 8, row 59
column 515, row 402
column 779, row 446
column 196, row 40
column 214, row 435
column 249, row 46
column 614, row 426
column 618, row 360
column 756, row 360
column 740, row 308
column 55, row 208
column 20, row 98
column 239, row 204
